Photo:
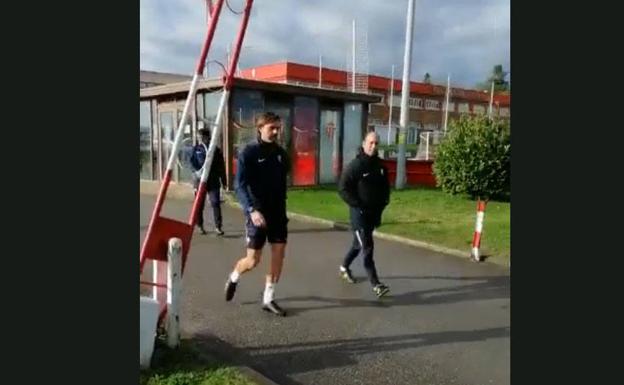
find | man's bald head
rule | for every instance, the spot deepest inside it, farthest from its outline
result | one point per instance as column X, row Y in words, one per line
column 370, row 143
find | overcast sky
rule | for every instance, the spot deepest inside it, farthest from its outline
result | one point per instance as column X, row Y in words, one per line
column 463, row 38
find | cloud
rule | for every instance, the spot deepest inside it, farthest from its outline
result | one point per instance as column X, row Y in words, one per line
column 465, row 38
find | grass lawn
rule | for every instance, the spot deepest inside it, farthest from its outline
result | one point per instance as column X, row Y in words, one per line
column 423, row 214
column 183, row 366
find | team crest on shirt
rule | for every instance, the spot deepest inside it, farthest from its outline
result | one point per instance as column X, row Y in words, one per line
column 279, row 158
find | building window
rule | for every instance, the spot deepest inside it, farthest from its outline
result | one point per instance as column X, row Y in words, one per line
column 463, row 108
column 431, row 104
column 211, row 105
column 352, row 137
column 305, row 140
column 412, row 133
column 416, row 103
column 245, row 105
column 382, row 96
column 145, row 140
column 432, row 126
column 478, row 109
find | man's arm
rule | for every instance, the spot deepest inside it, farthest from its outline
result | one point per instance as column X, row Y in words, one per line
column 243, row 191
column 194, row 161
column 347, row 187
column 386, row 186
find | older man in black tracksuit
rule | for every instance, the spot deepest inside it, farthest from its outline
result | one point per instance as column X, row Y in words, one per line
column 365, row 188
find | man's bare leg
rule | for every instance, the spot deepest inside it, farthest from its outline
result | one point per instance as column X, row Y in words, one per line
column 249, row 261
column 245, row 264
column 278, row 251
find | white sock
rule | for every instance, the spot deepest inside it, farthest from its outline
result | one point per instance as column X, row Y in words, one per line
column 269, row 290
column 234, row 276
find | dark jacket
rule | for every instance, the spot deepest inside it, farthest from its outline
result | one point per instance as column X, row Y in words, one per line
column 365, row 188
column 261, row 178
column 216, row 177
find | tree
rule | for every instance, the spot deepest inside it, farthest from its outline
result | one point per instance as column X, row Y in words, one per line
column 497, row 76
column 475, row 158
column 427, row 79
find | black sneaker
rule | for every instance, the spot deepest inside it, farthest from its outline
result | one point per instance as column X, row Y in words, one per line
column 346, row 276
column 202, row 230
column 380, row 290
column 230, row 289
column 274, row 308
column 219, row 231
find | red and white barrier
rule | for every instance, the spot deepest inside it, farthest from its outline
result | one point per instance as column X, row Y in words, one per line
column 151, row 308
column 174, row 289
column 162, row 229
column 476, row 239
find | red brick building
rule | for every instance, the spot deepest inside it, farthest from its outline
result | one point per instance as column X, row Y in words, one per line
column 426, row 100
column 324, row 122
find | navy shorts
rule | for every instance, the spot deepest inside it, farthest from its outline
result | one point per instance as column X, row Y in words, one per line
column 276, row 230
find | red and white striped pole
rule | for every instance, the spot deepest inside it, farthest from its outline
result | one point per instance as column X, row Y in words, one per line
column 476, row 239
column 216, row 127
column 208, row 10
column 160, row 267
column 212, row 25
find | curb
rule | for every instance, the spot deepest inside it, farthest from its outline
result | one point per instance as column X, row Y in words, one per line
column 183, row 191
column 422, row 244
column 255, row 376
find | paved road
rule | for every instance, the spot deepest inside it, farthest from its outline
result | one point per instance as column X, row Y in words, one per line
column 447, row 321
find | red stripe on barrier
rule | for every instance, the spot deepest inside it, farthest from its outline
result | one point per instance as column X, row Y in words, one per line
column 476, row 240
column 153, row 284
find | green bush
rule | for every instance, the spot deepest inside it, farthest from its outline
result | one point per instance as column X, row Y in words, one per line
column 474, row 158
